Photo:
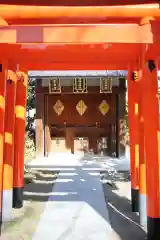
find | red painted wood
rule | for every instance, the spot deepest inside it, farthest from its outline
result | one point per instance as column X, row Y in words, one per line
column 77, row 3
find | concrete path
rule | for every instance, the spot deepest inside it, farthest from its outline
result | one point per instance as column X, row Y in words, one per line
column 76, row 208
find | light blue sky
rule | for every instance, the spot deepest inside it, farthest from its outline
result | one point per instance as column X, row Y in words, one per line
column 77, row 73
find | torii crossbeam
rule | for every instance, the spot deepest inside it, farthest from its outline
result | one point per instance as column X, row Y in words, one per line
column 97, row 35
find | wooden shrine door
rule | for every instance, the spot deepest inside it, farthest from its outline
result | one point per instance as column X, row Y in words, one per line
column 81, row 144
column 58, row 145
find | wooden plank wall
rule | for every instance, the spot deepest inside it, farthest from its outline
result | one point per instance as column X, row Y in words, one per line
column 110, row 123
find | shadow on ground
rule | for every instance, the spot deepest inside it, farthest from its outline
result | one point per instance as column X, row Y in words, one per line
column 123, row 221
column 25, row 220
column 42, row 185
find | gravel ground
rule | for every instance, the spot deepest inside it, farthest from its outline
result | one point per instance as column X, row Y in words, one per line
column 117, row 194
column 26, row 219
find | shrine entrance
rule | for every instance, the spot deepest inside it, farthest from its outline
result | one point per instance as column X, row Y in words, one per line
column 80, row 114
column 58, row 145
column 81, row 145
column 71, row 35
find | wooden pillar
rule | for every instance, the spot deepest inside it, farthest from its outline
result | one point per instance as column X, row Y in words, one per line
column 39, row 119
column 48, row 139
column 47, row 132
column 93, row 143
column 117, row 126
column 133, row 106
column 150, row 110
column 142, row 160
column 19, row 140
column 142, row 170
column 120, row 118
column 112, row 146
column 69, row 139
column 9, row 146
column 3, row 77
column 112, row 136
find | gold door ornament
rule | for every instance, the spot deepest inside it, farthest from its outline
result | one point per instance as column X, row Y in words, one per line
column 80, row 85
column 58, row 107
column 104, row 107
column 81, row 107
column 106, row 85
column 54, row 86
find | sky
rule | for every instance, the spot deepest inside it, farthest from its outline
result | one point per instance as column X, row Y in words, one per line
column 78, row 73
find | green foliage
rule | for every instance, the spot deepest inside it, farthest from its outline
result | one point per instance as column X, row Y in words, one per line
column 29, row 152
column 30, row 101
column 29, row 143
column 31, row 94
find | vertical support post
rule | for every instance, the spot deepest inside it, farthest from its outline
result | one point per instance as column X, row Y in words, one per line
column 8, row 147
column 19, row 138
column 150, row 109
column 93, row 143
column 134, row 140
column 142, row 160
column 142, row 172
column 3, row 77
column 47, row 132
column 112, row 134
column 40, row 119
column 121, row 117
column 117, row 127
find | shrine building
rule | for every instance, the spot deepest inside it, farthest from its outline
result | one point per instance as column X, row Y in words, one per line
column 80, row 111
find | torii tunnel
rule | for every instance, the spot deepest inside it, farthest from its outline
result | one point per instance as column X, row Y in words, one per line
column 67, row 35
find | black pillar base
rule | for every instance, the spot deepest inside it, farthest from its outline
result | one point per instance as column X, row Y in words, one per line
column 18, row 197
column 153, row 228
column 135, row 200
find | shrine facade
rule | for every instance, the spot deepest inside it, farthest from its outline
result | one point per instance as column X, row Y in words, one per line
column 80, row 114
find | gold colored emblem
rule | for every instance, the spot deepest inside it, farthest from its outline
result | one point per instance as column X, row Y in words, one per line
column 104, row 107
column 106, row 85
column 81, row 107
column 54, row 86
column 58, row 107
column 80, row 85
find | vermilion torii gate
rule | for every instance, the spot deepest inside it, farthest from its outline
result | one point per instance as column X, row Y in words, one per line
column 67, row 36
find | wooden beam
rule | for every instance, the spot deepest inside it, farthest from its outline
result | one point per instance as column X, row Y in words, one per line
column 73, row 20
column 76, row 3
column 73, row 66
column 80, row 34
column 54, row 12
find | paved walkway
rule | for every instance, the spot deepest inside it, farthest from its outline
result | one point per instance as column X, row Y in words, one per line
column 76, row 208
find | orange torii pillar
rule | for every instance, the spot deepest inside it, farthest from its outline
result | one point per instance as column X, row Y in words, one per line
column 133, row 98
column 19, row 140
column 142, row 160
column 150, row 110
column 3, row 77
column 142, row 172
column 8, row 147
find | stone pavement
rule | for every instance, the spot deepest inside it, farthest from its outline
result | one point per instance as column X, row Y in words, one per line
column 76, row 207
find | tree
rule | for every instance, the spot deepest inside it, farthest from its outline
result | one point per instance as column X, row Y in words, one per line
column 30, row 102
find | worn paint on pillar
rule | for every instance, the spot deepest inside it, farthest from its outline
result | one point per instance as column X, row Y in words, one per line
column 19, row 136
column 142, row 174
column 8, row 147
column 142, row 162
column 3, row 77
column 150, row 110
column 133, row 98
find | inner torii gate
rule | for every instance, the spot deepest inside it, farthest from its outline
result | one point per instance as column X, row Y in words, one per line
column 82, row 36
